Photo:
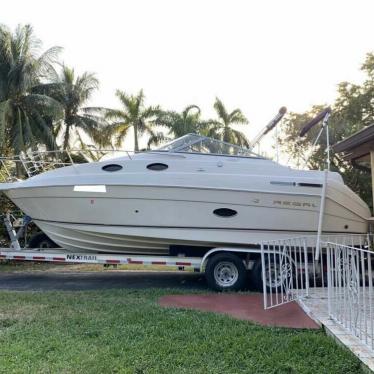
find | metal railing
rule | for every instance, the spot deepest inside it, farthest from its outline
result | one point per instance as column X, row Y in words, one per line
column 284, row 270
column 290, row 266
column 350, row 273
column 32, row 163
column 343, row 274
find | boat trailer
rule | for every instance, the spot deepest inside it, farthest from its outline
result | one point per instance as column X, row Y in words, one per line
column 17, row 228
column 278, row 267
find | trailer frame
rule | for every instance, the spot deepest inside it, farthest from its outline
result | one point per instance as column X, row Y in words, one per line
column 15, row 252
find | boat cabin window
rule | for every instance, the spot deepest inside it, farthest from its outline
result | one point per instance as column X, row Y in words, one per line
column 157, row 166
column 193, row 143
column 225, row 212
column 112, row 167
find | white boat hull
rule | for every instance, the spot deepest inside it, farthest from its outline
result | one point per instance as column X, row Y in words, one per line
column 147, row 220
column 151, row 201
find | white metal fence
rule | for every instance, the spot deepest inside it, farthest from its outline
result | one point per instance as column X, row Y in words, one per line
column 290, row 265
column 344, row 270
column 350, row 289
column 283, row 271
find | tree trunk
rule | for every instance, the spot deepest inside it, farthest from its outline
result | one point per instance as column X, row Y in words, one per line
column 136, row 144
column 20, row 170
column 226, row 134
column 66, row 137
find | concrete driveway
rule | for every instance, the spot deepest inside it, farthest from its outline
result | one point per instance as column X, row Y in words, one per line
column 73, row 281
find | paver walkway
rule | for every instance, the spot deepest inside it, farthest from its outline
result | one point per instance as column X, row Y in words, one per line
column 316, row 305
column 246, row 307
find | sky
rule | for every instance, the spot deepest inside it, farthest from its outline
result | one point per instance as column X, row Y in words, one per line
column 257, row 55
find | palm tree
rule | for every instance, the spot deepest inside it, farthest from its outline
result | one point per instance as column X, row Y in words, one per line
column 187, row 122
column 73, row 92
column 89, row 151
column 221, row 129
column 24, row 114
column 134, row 114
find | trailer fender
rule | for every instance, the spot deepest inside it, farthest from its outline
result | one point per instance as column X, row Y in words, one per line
column 229, row 250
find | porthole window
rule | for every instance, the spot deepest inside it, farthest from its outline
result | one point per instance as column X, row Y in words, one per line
column 112, row 167
column 157, row 166
column 225, row 212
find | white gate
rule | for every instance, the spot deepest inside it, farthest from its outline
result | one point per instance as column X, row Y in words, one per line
column 285, row 274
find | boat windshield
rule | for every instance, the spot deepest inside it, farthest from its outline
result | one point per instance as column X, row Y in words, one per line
column 194, row 143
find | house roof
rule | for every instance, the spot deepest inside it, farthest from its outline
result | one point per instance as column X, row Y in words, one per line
column 357, row 145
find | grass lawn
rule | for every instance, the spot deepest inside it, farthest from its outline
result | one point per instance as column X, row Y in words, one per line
column 125, row 331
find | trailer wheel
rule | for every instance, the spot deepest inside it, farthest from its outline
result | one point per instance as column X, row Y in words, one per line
column 225, row 271
column 41, row 240
column 275, row 280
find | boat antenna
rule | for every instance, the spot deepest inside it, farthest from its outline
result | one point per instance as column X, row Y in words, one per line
column 324, row 117
column 256, row 140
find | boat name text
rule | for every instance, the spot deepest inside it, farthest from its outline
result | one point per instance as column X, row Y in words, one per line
column 295, row 204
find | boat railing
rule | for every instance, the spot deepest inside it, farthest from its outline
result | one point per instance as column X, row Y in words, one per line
column 29, row 164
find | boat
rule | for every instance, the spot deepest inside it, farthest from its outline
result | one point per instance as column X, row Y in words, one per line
column 193, row 193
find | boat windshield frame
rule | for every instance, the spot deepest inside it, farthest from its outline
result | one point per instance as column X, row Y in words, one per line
column 185, row 144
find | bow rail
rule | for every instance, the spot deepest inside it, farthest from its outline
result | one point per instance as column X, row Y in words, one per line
column 29, row 164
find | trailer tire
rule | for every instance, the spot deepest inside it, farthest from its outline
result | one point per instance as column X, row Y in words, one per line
column 225, row 272
column 256, row 277
column 41, row 240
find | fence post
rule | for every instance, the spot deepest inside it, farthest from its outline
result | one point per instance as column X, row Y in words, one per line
column 263, row 274
column 306, row 271
column 329, row 285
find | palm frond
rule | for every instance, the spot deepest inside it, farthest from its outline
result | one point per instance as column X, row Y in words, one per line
column 45, row 105
column 120, row 133
column 43, row 133
column 157, row 138
column 95, row 110
column 237, row 117
column 151, row 112
column 28, row 112
column 5, row 118
column 239, row 138
column 221, row 111
column 115, row 114
column 45, row 62
column 189, row 108
column 29, row 133
column 124, row 99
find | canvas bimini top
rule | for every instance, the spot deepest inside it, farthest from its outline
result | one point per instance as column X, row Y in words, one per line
column 193, row 143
